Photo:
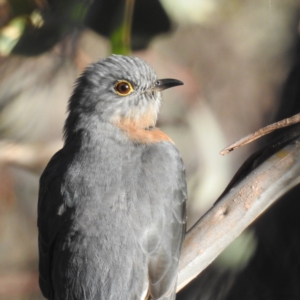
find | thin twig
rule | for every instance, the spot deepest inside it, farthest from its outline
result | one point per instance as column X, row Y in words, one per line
column 261, row 132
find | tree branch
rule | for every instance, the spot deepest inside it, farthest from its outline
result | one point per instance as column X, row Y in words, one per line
column 237, row 209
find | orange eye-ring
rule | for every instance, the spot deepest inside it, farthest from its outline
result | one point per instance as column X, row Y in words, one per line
column 123, row 87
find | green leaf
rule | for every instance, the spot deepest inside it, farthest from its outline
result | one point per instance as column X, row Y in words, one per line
column 10, row 34
column 118, row 45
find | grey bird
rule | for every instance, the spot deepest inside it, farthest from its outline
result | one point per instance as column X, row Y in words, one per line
column 112, row 201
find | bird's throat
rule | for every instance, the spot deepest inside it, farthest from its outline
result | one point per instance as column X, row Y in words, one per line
column 141, row 130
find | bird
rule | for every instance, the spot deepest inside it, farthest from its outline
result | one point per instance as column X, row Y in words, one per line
column 112, row 201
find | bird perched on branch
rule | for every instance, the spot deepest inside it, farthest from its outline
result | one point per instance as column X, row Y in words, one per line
column 111, row 212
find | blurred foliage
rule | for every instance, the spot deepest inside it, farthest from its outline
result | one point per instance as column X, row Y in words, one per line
column 118, row 46
column 149, row 19
column 237, row 255
column 10, row 34
column 121, row 36
column 34, row 27
column 25, row 7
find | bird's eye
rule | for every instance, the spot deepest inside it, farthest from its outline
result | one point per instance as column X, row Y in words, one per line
column 123, row 87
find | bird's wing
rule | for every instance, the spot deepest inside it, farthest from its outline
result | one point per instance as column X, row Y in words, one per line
column 50, row 203
column 166, row 185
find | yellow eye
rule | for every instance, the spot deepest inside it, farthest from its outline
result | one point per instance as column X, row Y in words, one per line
column 123, row 87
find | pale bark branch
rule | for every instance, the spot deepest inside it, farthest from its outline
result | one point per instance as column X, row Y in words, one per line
column 237, row 209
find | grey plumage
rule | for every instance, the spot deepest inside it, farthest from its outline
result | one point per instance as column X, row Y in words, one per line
column 111, row 212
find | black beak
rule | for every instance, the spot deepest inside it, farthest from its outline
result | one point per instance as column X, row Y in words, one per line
column 163, row 84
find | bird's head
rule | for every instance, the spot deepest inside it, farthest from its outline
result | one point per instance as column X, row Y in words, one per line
column 120, row 89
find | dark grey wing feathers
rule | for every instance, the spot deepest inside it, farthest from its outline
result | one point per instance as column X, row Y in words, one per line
column 49, row 220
